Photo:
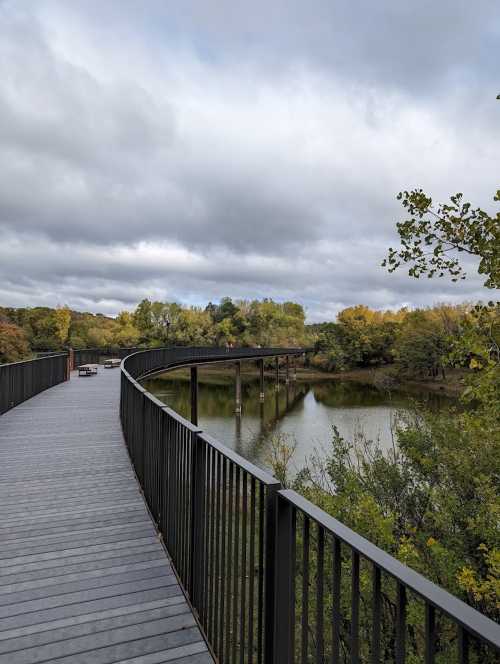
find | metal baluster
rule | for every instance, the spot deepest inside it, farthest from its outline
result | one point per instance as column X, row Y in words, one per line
column 251, row 596
column 401, row 624
column 223, row 565
column 337, row 572
column 377, row 614
column 463, row 646
column 354, row 607
column 236, row 564
column 320, row 595
column 430, row 633
column 305, row 590
column 243, row 569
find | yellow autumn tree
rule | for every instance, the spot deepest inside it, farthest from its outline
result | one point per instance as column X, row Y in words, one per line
column 62, row 319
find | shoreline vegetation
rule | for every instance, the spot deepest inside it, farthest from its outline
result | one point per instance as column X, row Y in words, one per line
column 381, row 378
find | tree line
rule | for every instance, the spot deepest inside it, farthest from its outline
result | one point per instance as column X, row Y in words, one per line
column 412, row 343
column 24, row 331
column 417, row 343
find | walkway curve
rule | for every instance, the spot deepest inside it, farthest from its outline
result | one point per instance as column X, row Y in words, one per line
column 84, row 578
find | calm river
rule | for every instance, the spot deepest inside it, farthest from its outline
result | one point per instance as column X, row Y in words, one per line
column 305, row 411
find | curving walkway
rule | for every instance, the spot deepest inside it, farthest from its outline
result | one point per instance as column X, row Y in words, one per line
column 84, row 578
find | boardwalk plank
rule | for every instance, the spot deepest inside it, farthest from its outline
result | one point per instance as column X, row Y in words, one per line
column 99, row 640
column 85, row 566
column 84, row 578
column 66, row 578
column 193, row 653
column 116, row 652
column 101, row 581
column 90, row 627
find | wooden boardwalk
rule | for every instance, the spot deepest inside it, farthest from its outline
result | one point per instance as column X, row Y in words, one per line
column 84, row 578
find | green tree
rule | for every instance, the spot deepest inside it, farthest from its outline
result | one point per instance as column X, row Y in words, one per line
column 421, row 345
column 433, row 237
column 62, row 316
column 226, row 309
column 367, row 336
column 126, row 334
column 98, row 337
column 143, row 318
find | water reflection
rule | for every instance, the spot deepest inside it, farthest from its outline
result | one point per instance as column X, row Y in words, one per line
column 304, row 410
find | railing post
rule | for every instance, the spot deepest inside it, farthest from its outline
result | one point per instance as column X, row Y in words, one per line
column 270, row 574
column 194, row 395
column 284, row 594
column 197, row 535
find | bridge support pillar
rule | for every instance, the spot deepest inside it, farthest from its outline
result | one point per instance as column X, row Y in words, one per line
column 237, row 408
column 261, row 368
column 277, row 385
column 287, row 374
column 294, row 374
column 194, row 395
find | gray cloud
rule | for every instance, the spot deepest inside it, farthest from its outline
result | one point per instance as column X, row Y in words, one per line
column 247, row 150
column 416, row 46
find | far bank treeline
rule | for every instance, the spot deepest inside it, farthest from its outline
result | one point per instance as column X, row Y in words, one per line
column 152, row 324
column 414, row 342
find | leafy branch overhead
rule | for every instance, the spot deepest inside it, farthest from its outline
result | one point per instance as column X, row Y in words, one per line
column 433, row 238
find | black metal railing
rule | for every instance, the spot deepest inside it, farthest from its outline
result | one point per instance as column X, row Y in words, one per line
column 142, row 364
column 21, row 380
column 93, row 355
column 214, row 509
column 273, row 578
column 341, row 598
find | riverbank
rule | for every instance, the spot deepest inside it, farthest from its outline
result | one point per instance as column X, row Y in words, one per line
column 382, row 378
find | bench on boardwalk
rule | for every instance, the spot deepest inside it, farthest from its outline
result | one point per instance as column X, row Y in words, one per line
column 87, row 369
column 112, row 363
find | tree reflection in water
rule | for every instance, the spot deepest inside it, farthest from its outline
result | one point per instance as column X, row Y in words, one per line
column 305, row 410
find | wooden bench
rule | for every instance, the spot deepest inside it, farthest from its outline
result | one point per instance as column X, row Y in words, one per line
column 112, row 363
column 87, row 369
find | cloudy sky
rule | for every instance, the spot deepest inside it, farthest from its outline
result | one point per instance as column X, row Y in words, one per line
column 191, row 150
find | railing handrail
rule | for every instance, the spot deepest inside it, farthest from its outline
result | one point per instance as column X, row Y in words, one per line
column 34, row 359
column 213, row 354
column 471, row 619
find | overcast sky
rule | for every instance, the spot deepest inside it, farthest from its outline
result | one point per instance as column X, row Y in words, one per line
column 191, row 150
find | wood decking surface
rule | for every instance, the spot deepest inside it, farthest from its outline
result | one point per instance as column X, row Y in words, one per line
column 84, row 578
